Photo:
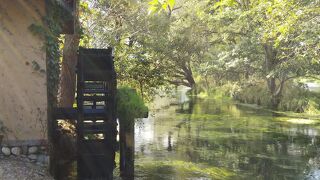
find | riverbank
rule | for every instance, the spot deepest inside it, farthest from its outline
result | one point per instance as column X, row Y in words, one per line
column 282, row 113
column 14, row 168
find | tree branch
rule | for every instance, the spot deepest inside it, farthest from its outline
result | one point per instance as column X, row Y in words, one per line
column 177, row 82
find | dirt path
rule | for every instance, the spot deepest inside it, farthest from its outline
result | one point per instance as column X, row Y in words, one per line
column 12, row 168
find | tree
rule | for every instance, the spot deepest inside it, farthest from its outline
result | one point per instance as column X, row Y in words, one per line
column 189, row 42
column 166, row 43
column 158, row 5
column 269, row 34
column 67, row 84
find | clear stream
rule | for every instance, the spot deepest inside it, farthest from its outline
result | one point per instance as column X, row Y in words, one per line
column 204, row 139
column 210, row 139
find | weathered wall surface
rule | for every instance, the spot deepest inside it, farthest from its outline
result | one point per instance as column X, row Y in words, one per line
column 23, row 97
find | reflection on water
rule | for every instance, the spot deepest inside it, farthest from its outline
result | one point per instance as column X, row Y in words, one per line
column 208, row 139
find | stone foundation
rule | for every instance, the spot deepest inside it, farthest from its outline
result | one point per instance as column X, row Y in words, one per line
column 31, row 151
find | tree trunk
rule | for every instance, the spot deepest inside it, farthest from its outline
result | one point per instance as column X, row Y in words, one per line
column 127, row 148
column 67, row 84
column 141, row 89
column 189, row 77
column 66, row 96
column 274, row 89
column 193, row 85
column 184, row 77
column 207, row 82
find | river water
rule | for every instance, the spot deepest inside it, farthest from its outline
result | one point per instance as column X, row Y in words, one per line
column 217, row 139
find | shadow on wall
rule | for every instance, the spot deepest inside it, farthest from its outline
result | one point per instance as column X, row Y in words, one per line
column 2, row 131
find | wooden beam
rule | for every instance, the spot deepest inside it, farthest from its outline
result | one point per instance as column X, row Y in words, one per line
column 65, row 113
column 69, row 9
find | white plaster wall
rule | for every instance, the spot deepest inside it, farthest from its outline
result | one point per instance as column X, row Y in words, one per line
column 23, row 96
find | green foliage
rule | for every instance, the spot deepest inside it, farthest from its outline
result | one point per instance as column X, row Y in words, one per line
column 225, row 92
column 159, row 5
column 206, row 44
column 253, row 92
column 129, row 105
column 151, row 51
column 296, row 96
column 50, row 31
column 277, row 24
column 123, row 26
column 262, row 40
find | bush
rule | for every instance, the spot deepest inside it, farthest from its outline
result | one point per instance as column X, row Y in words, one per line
column 129, row 104
column 225, row 91
column 252, row 92
column 295, row 97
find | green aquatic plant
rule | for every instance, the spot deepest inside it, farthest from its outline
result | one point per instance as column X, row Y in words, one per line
column 198, row 116
column 183, row 169
column 130, row 104
column 297, row 120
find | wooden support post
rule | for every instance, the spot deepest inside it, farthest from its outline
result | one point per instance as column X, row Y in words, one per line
column 129, row 106
column 127, row 149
